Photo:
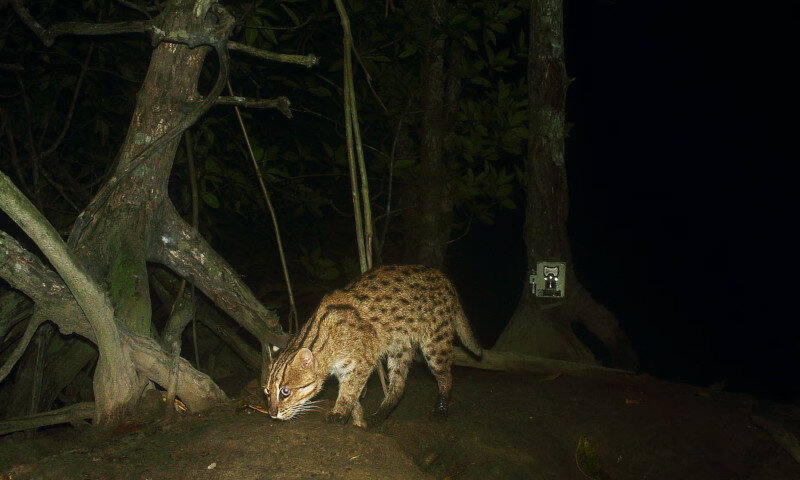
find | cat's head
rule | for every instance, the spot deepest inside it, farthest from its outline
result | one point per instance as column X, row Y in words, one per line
column 292, row 382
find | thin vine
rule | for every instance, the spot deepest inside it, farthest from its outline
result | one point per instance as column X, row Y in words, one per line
column 363, row 219
column 294, row 326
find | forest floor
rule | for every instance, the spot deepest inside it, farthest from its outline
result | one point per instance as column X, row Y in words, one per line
column 501, row 425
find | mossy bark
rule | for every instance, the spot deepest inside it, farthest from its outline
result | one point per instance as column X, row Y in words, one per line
column 131, row 221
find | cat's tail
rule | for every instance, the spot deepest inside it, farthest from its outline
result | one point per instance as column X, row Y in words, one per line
column 465, row 334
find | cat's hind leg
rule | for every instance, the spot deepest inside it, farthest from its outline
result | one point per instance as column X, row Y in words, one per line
column 397, row 364
column 439, row 360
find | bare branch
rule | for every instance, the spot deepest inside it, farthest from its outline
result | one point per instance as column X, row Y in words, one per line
column 71, row 109
column 183, row 311
column 33, row 325
column 195, row 388
column 26, row 273
column 48, row 35
column 14, row 308
column 163, row 281
column 184, row 251
column 307, row 61
column 281, row 103
column 12, row 151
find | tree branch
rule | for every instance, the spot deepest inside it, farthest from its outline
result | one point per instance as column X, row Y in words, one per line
column 33, row 325
column 71, row 109
column 195, row 388
column 185, row 252
column 307, row 61
column 163, row 281
column 49, row 34
column 281, row 103
column 91, row 298
column 14, row 308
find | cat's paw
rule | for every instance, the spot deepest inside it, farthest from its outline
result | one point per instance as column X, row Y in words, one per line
column 337, row 417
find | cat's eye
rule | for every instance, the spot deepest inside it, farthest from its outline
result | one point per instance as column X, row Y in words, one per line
column 285, row 392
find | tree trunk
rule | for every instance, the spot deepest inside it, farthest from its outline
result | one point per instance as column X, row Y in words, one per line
column 130, row 222
column 574, row 328
column 430, row 230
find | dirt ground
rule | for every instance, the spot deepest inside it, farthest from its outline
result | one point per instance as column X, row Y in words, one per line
column 500, row 426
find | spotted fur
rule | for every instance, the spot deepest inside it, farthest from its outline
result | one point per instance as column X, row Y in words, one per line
column 388, row 313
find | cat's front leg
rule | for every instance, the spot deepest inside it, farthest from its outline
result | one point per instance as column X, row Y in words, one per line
column 347, row 405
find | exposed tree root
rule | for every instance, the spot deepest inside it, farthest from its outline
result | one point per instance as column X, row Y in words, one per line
column 74, row 414
column 33, row 325
column 181, row 248
column 511, row 361
column 149, row 359
column 165, row 283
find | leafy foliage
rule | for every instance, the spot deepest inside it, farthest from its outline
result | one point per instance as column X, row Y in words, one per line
column 303, row 160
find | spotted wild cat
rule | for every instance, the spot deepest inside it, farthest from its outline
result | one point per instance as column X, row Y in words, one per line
column 388, row 312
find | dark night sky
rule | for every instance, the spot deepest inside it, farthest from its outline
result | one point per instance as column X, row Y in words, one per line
column 681, row 129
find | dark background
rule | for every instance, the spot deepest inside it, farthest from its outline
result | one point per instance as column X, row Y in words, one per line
column 681, row 218
column 682, row 192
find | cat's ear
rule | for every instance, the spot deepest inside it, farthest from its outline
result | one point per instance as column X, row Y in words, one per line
column 305, row 357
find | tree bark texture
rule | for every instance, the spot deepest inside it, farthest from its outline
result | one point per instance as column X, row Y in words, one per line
column 429, row 230
column 547, row 327
column 55, row 302
column 115, row 378
column 166, row 285
column 131, row 222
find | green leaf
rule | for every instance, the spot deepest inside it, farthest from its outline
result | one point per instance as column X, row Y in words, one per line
column 508, row 203
column 211, row 200
column 250, row 36
column 459, row 18
column 588, row 461
column 471, row 43
column 410, row 50
column 270, row 35
column 291, row 14
column 319, row 91
column 489, row 37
